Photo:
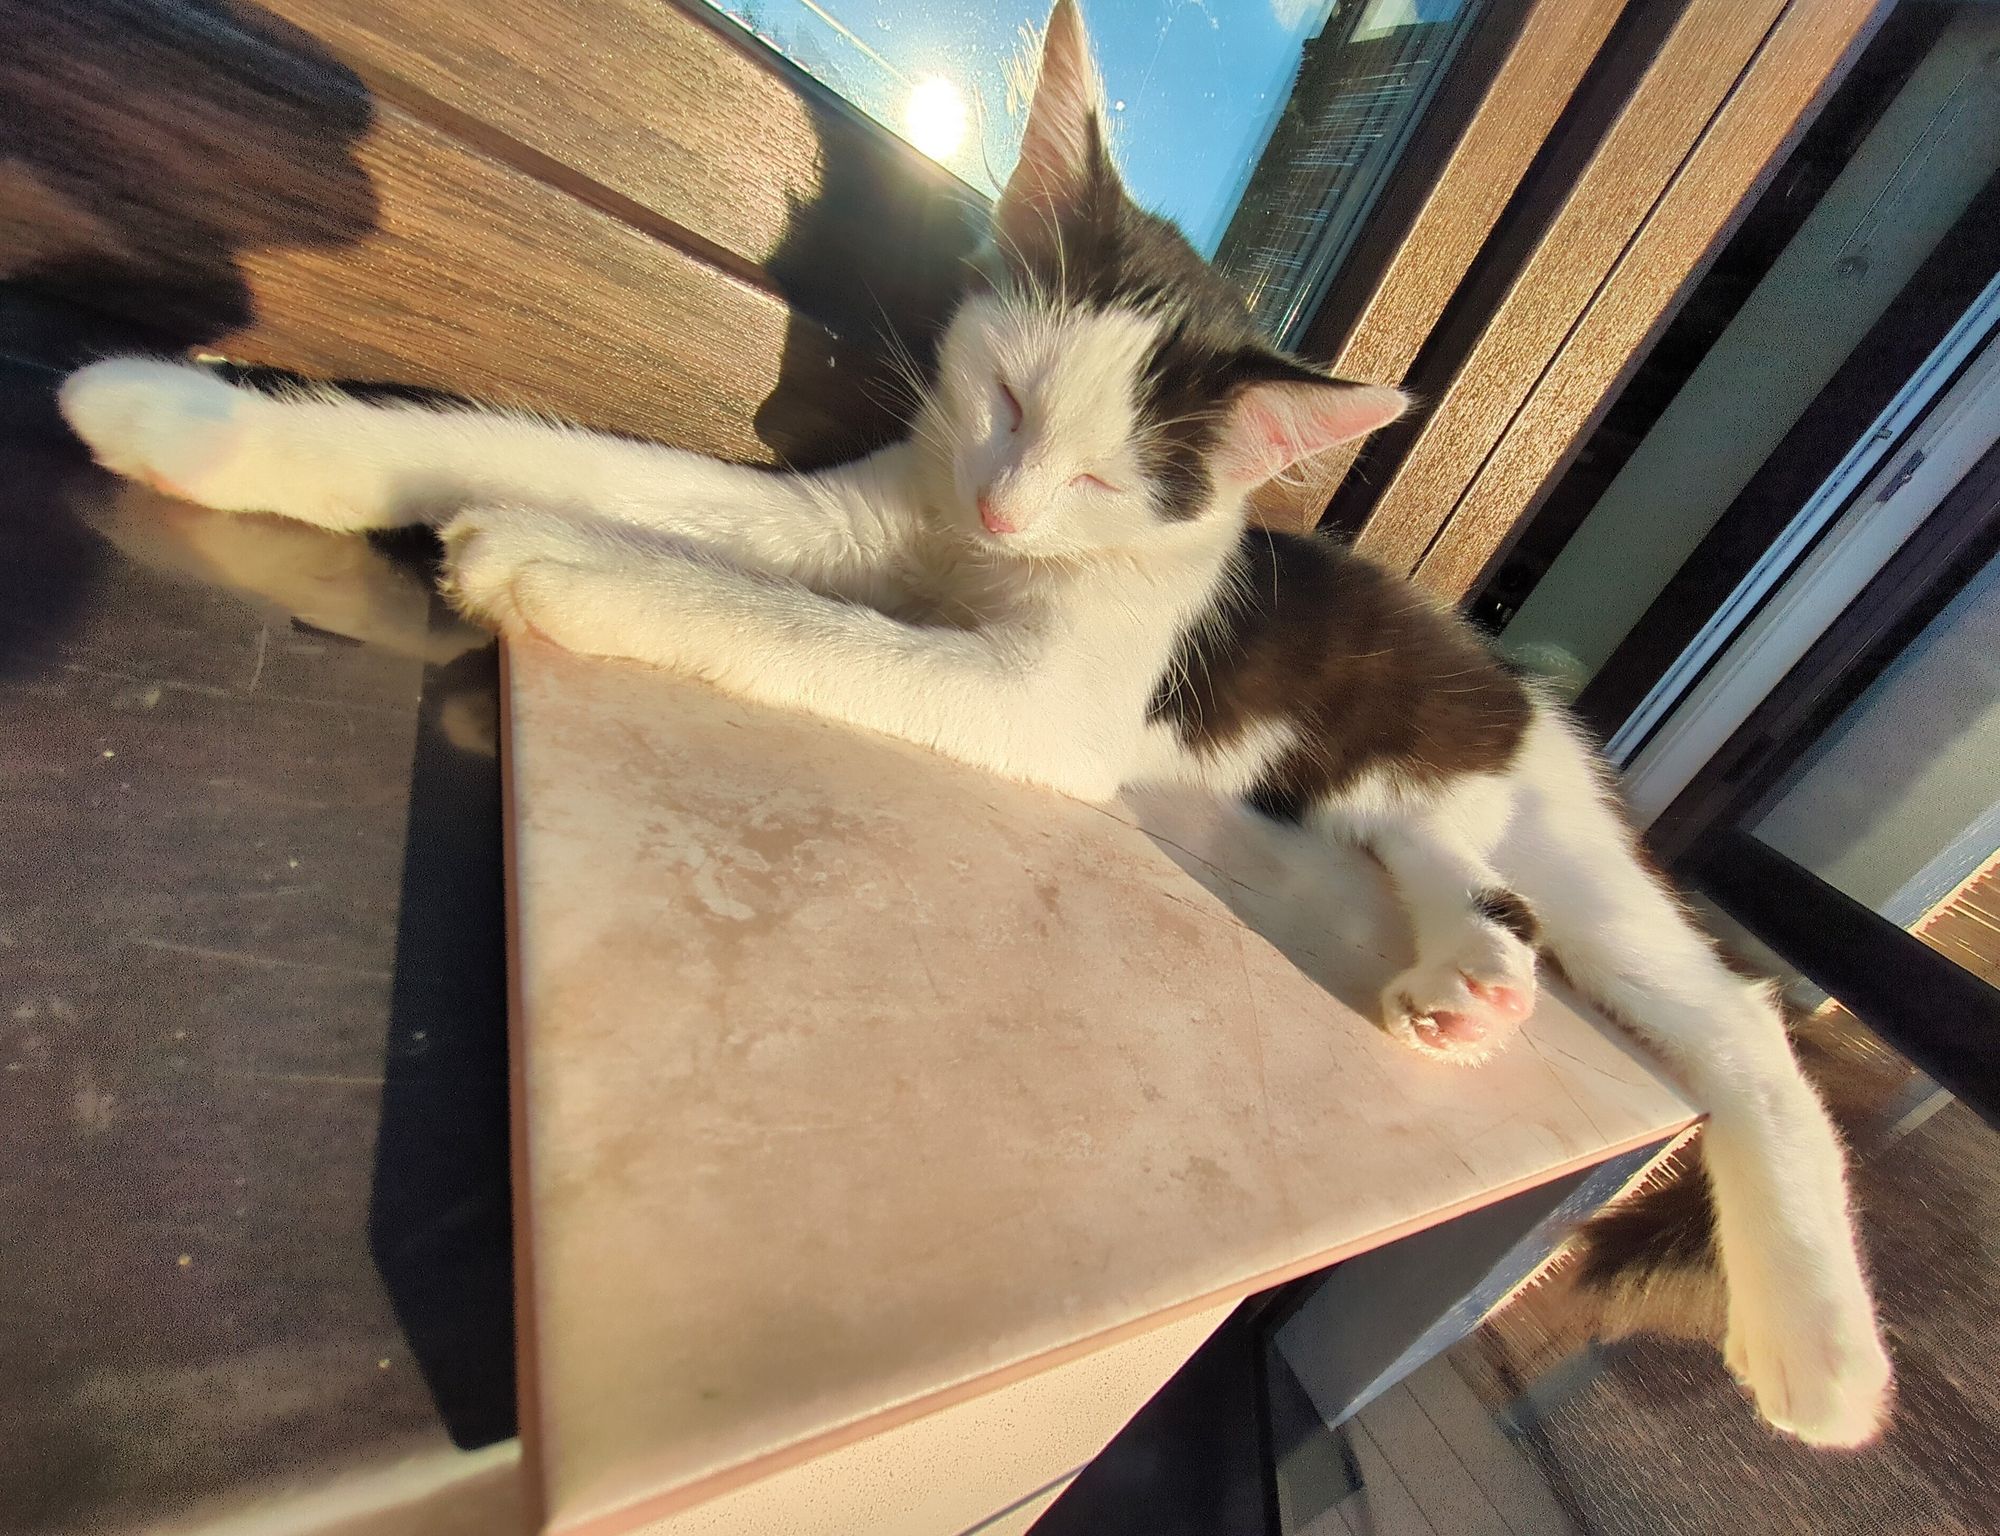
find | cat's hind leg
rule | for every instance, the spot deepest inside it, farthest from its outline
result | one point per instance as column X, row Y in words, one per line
column 1473, row 979
column 1802, row 1335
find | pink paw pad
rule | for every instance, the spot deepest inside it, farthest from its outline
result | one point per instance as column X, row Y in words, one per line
column 1509, row 1005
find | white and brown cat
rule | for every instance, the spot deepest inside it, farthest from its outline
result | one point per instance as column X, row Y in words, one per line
column 1052, row 578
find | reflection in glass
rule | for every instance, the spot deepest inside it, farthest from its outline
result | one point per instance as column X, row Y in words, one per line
column 1265, row 128
column 1363, row 83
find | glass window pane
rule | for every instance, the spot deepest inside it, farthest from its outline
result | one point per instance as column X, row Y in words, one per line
column 1265, row 128
column 1898, row 801
column 1707, row 442
column 1362, row 85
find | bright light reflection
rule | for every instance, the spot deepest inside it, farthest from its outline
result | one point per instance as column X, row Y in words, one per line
column 935, row 117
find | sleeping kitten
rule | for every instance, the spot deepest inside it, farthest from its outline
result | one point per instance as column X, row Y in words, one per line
column 1053, row 579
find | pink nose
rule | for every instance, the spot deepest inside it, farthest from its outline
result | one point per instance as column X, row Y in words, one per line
column 993, row 519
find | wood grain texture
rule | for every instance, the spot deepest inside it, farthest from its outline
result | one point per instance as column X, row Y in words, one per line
column 212, row 173
column 1797, row 66
column 1680, row 91
column 1449, row 1496
column 663, row 107
column 1383, row 1505
column 1965, row 926
column 480, row 280
column 1378, row 342
column 633, row 93
column 1510, row 1481
column 146, row 144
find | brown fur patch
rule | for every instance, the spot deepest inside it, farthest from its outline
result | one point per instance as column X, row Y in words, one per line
column 1669, row 1226
column 1370, row 673
column 1510, row 912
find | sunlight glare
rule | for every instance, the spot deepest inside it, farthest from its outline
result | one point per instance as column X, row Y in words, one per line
column 935, row 117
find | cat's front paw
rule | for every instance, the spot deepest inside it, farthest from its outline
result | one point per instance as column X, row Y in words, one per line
column 1463, row 1004
column 1817, row 1370
column 486, row 553
column 504, row 565
column 166, row 425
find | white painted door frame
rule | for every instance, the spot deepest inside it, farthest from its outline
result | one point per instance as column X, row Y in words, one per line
column 1946, row 415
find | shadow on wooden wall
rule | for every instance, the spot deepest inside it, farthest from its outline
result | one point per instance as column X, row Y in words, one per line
column 146, row 149
column 865, row 312
column 153, row 146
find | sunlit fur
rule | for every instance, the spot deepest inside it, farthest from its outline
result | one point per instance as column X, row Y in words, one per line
column 1064, row 649
column 1072, row 374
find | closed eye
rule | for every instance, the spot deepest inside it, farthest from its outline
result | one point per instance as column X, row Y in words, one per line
column 1013, row 404
column 1094, row 483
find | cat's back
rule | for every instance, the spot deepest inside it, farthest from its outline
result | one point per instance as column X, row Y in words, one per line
column 1364, row 670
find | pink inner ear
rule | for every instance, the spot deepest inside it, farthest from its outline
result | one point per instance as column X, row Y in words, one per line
column 1279, row 447
column 1274, row 426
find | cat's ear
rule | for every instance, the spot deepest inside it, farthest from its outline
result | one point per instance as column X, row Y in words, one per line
column 1273, row 424
column 1062, row 147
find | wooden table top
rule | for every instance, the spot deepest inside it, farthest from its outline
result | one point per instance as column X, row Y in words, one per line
column 853, row 1083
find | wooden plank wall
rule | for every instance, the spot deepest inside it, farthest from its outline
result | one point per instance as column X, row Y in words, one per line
column 1727, row 89
column 686, row 245
column 1965, row 926
column 1471, row 180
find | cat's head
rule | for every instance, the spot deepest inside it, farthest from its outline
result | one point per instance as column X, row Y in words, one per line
column 1108, row 386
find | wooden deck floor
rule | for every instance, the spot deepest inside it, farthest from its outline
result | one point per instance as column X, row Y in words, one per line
column 1436, row 1463
column 1966, row 926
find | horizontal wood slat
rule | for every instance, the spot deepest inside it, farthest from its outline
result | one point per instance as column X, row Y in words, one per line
column 633, row 93
column 1798, row 65
column 210, row 173
column 478, row 279
column 1541, row 69
column 1965, row 926
column 734, row 153
column 1687, row 81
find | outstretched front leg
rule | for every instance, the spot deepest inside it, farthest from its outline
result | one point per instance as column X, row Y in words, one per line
column 1000, row 700
column 335, row 461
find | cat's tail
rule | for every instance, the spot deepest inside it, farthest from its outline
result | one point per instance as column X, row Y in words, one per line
column 1650, row 1263
column 1801, row 1332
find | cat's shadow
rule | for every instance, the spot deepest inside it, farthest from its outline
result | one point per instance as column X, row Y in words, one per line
column 866, row 313
column 1325, row 906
